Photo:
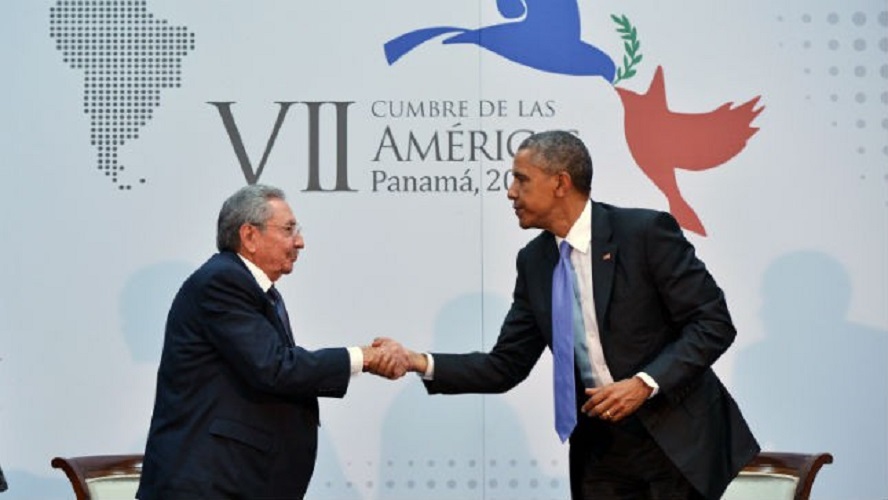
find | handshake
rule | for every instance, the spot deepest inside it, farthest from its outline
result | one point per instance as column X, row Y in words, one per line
column 387, row 358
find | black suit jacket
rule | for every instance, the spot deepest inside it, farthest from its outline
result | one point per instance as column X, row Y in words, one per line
column 659, row 311
column 236, row 411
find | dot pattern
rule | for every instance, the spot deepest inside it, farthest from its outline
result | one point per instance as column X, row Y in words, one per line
column 128, row 57
column 448, row 478
column 856, row 48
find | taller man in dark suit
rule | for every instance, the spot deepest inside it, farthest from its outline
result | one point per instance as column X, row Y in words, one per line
column 647, row 417
column 236, row 409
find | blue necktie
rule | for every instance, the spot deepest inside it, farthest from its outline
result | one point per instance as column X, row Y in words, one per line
column 281, row 310
column 563, row 344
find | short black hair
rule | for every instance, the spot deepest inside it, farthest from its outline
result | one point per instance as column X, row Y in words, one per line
column 558, row 150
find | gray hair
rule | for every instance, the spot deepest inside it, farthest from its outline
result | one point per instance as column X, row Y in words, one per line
column 249, row 205
column 558, row 150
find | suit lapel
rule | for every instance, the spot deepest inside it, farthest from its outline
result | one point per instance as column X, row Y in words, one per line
column 268, row 309
column 604, row 256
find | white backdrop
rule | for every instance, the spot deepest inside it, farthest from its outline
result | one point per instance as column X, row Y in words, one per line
column 797, row 222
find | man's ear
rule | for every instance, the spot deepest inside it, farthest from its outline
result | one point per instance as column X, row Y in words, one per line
column 248, row 234
column 565, row 184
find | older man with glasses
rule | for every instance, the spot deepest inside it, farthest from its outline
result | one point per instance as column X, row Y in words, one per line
column 236, row 407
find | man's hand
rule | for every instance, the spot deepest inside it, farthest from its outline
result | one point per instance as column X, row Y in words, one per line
column 616, row 401
column 386, row 358
column 419, row 363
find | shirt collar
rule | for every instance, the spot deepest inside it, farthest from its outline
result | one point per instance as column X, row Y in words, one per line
column 261, row 278
column 580, row 235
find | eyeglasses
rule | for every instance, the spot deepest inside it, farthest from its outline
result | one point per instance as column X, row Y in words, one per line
column 291, row 230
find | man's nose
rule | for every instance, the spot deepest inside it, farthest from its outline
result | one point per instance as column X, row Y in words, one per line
column 512, row 193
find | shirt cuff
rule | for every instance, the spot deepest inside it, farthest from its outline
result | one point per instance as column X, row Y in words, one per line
column 650, row 382
column 430, row 367
column 356, row 358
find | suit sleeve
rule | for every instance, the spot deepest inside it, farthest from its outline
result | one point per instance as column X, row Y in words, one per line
column 516, row 351
column 249, row 342
column 694, row 305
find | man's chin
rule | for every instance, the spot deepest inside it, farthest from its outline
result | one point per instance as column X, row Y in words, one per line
column 525, row 224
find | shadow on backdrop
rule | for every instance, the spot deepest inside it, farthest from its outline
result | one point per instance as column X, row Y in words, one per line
column 144, row 304
column 26, row 485
column 463, row 446
column 818, row 382
column 328, row 480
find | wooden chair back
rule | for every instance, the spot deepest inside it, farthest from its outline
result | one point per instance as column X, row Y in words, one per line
column 777, row 476
column 100, row 477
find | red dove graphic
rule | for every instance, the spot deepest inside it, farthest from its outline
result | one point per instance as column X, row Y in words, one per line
column 661, row 140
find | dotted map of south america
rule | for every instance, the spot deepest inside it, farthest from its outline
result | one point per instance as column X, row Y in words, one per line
column 129, row 58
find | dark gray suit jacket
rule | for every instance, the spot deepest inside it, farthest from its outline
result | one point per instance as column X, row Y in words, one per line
column 236, row 410
column 659, row 311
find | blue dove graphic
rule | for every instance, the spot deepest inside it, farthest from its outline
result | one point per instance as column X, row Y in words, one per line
column 545, row 36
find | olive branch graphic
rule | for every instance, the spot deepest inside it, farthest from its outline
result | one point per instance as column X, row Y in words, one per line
column 630, row 44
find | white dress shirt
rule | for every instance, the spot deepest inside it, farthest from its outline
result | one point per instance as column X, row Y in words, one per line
column 580, row 239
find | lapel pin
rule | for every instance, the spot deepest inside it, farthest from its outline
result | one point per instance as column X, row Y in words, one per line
column 606, row 256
